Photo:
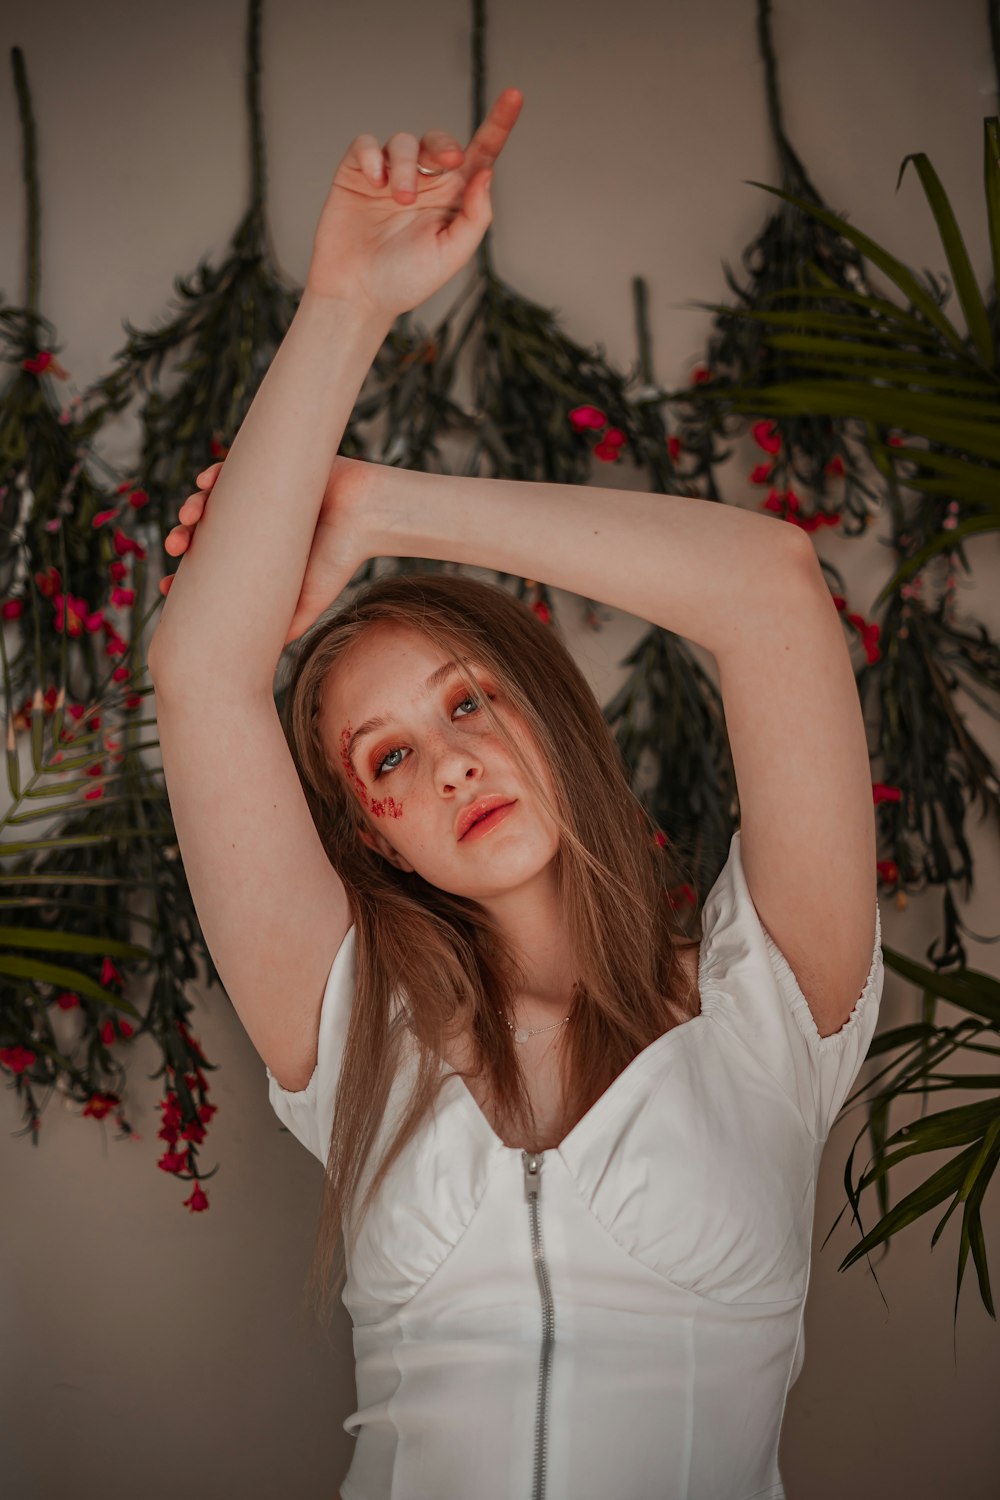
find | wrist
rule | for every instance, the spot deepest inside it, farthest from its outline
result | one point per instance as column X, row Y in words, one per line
column 386, row 508
column 344, row 315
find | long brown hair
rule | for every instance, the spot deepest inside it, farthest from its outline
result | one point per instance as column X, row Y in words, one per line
column 443, row 952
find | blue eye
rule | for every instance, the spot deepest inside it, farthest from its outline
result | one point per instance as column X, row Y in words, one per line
column 381, row 769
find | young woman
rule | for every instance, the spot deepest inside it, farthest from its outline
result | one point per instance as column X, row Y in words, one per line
column 571, row 1148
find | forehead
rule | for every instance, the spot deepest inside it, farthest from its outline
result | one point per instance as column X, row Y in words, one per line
column 388, row 664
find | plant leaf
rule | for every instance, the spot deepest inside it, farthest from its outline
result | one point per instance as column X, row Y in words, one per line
column 966, row 288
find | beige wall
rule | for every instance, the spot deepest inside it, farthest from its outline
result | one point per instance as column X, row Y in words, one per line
column 146, row 1352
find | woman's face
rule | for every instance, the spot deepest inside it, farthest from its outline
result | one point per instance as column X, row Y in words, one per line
column 434, row 755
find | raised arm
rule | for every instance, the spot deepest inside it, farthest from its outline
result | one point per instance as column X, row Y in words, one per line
column 382, row 246
column 749, row 589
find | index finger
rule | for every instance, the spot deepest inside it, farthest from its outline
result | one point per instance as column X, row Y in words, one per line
column 491, row 137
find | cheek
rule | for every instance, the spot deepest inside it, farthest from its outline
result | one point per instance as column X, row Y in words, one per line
column 379, row 807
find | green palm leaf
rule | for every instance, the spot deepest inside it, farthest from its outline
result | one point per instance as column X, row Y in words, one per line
column 931, row 382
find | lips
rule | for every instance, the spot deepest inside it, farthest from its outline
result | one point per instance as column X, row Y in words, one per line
column 477, row 810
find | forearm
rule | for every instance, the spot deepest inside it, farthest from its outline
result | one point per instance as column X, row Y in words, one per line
column 230, row 604
column 704, row 570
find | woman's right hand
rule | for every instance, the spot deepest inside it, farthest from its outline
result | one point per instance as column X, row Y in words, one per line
column 388, row 237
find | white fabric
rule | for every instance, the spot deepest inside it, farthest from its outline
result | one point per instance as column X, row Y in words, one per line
column 675, row 1221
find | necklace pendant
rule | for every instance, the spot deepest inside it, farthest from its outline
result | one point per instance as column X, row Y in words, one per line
column 521, row 1034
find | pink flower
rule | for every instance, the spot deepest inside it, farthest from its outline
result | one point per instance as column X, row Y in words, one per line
column 582, row 417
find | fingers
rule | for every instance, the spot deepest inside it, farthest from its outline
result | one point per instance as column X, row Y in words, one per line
column 402, row 151
column 367, row 154
column 178, row 540
column 399, row 159
column 491, row 137
column 395, row 165
column 208, row 476
column 442, row 149
column 193, row 508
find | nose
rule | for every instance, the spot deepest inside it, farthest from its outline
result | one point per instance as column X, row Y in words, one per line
column 456, row 765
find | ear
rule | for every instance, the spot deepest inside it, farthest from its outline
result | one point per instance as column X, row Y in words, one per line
column 381, row 845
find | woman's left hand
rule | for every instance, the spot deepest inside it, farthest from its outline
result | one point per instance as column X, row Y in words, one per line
column 341, row 542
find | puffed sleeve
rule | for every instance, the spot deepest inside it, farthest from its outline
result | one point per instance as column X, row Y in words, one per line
column 308, row 1112
column 756, row 998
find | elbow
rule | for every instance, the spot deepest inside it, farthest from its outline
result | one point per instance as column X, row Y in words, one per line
column 801, row 552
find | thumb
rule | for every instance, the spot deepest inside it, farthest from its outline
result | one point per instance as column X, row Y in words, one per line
column 467, row 228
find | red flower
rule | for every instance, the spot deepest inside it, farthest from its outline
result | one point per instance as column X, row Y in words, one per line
column 172, row 1161
column 109, row 972
column 767, row 436
column 582, row 417
column 18, row 1058
column 100, row 1104
column 883, row 793
column 821, row 518
column 674, row 447
column 197, row 1202
column 761, row 474
column 49, row 581
column 108, row 1034
column 542, row 610
column 869, row 636
column 888, row 871
column 681, row 894
column 125, row 544
column 12, row 609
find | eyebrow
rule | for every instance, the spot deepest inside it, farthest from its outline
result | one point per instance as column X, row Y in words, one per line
column 379, row 721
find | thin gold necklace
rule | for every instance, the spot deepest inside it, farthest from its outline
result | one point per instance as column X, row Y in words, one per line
column 522, row 1033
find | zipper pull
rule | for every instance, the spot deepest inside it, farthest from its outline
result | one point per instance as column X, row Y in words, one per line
column 532, row 1175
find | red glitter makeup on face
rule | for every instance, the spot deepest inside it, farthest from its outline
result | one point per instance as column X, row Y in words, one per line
column 384, row 806
column 351, row 773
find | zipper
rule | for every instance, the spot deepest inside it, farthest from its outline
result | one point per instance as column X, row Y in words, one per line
column 532, row 1162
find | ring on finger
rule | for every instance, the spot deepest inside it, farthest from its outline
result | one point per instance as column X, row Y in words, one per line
column 432, row 171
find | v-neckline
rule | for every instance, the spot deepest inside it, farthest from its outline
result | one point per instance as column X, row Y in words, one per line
column 600, row 1103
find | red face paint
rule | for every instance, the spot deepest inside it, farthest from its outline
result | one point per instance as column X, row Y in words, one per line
column 384, row 807
column 388, row 807
column 352, row 776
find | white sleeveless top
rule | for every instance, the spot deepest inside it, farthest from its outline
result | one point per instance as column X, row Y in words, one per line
column 620, row 1317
